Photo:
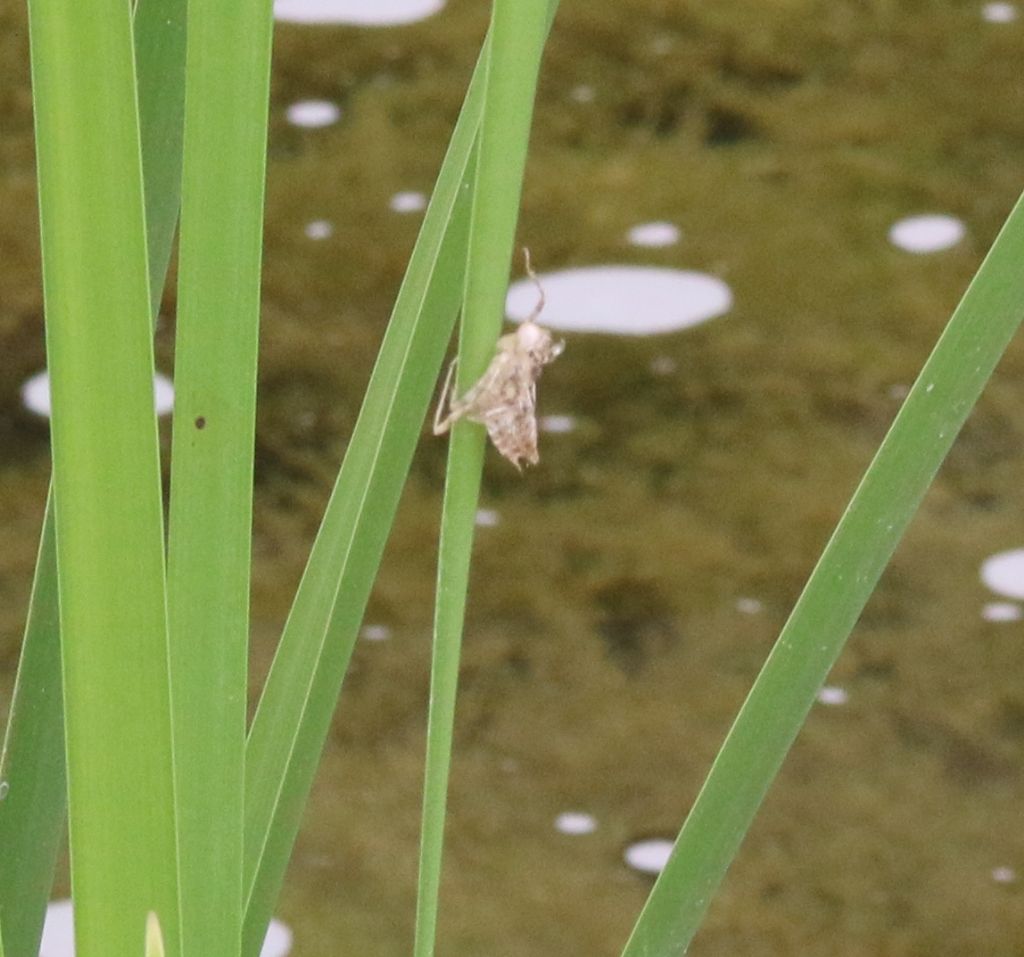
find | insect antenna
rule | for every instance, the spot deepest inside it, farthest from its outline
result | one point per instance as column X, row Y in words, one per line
column 539, row 308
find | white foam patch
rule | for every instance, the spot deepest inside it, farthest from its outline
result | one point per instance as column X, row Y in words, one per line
column 654, row 235
column 319, row 229
column 163, row 394
column 313, row 114
column 364, row 13
column 622, row 300
column 376, row 632
column 999, row 12
column 832, row 695
column 487, row 517
column 559, row 424
column 927, row 234
column 648, row 856
column 575, row 822
column 278, row 942
column 408, row 202
column 1004, row 573
column 59, row 935
column 1002, row 611
column 35, row 394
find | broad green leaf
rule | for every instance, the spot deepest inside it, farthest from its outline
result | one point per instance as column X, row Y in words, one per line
column 31, row 822
column 108, row 513
column 210, row 525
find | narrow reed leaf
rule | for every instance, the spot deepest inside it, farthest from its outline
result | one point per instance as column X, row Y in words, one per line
column 32, row 783
column 31, row 822
column 518, row 32
column 839, row 587
column 295, row 709
column 456, row 544
column 106, row 473
column 210, row 525
column 159, row 32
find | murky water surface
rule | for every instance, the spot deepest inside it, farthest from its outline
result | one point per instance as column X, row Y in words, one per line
column 626, row 591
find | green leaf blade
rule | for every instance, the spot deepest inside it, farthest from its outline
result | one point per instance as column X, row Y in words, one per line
column 32, row 765
column 159, row 34
column 301, row 692
column 106, row 473
column 512, row 56
column 31, row 823
column 846, row 574
column 227, row 83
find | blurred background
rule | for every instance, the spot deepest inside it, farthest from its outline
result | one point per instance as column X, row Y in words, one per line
column 793, row 195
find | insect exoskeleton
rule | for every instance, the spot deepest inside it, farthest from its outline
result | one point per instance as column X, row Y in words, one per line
column 504, row 398
column 537, row 341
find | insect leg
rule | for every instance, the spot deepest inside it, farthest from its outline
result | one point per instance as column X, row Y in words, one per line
column 443, row 425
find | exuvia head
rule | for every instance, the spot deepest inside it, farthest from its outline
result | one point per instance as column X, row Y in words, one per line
column 538, row 342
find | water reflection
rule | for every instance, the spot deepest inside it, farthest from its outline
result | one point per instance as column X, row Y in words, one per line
column 649, row 856
column 623, row 300
column 59, row 936
column 375, row 633
column 367, row 13
column 832, row 695
column 999, row 12
column 35, row 394
column 1001, row 611
column 927, row 234
column 313, row 114
column 575, row 822
column 1004, row 573
column 408, row 201
column 749, row 606
column 558, row 424
column 487, row 517
column 653, row 235
column 319, row 229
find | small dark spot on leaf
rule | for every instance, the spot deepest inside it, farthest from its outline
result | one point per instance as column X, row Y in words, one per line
column 200, row 422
